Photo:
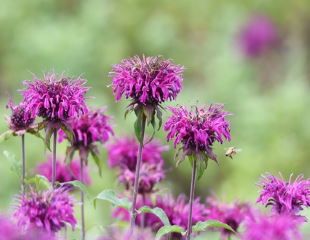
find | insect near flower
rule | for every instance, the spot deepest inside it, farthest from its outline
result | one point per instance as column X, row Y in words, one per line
column 232, row 151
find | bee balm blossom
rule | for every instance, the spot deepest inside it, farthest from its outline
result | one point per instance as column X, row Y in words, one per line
column 285, row 197
column 47, row 210
column 55, row 98
column 258, row 36
column 89, row 128
column 64, row 172
column 231, row 214
column 197, row 129
column 20, row 120
column 276, row 227
column 146, row 80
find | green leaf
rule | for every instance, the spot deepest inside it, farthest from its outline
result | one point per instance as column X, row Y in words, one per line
column 159, row 116
column 202, row 165
column 40, row 182
column 97, row 160
column 48, row 134
column 168, row 229
column 138, row 128
column 6, row 135
column 110, row 196
column 202, row 226
column 149, row 112
column 68, row 131
column 179, row 156
column 79, row 185
column 35, row 133
column 70, row 153
column 16, row 166
column 160, row 213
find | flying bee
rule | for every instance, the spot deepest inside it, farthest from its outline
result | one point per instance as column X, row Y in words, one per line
column 232, row 151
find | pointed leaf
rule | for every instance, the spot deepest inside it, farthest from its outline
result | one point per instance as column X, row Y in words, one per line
column 110, row 196
column 202, row 226
column 6, row 135
column 79, row 185
column 138, row 128
column 160, row 213
column 168, row 229
column 48, row 135
column 98, row 161
column 68, row 131
column 202, row 165
column 40, row 182
column 159, row 116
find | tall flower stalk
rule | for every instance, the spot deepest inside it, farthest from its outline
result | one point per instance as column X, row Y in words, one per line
column 89, row 129
column 20, row 122
column 196, row 130
column 148, row 82
column 56, row 99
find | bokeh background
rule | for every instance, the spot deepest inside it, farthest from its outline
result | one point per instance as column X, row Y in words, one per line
column 268, row 93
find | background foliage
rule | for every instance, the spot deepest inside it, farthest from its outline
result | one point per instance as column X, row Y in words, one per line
column 268, row 96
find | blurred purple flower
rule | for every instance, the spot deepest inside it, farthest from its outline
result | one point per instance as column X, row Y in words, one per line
column 123, row 234
column 146, row 80
column 276, row 227
column 123, row 153
column 285, row 197
column 198, row 129
column 230, row 214
column 55, row 98
column 9, row 231
column 257, row 36
column 150, row 174
column 48, row 210
column 64, row 172
column 89, row 128
column 20, row 119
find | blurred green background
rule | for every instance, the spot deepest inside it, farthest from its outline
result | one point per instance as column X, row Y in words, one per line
column 268, row 96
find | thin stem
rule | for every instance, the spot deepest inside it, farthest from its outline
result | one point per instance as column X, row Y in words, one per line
column 83, row 233
column 23, row 164
column 54, row 159
column 137, row 175
column 191, row 199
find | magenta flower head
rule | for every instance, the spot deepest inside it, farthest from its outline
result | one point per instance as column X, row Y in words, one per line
column 285, row 197
column 20, row 120
column 47, row 210
column 64, row 172
column 258, row 36
column 197, row 130
column 276, row 227
column 150, row 175
column 90, row 128
column 231, row 214
column 146, row 80
column 10, row 231
column 55, row 98
column 123, row 153
column 121, row 234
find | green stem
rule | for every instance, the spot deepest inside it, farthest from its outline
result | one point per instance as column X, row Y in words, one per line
column 54, row 159
column 137, row 175
column 83, row 233
column 23, row 164
column 191, row 200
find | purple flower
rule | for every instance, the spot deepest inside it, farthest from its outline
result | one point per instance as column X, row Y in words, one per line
column 285, row 197
column 121, row 234
column 55, row 98
column 198, row 128
column 150, row 174
column 123, row 153
column 258, row 36
column 48, row 210
column 89, row 128
column 276, row 227
column 230, row 214
column 20, row 120
column 9, row 231
column 176, row 210
column 64, row 172
column 146, row 80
